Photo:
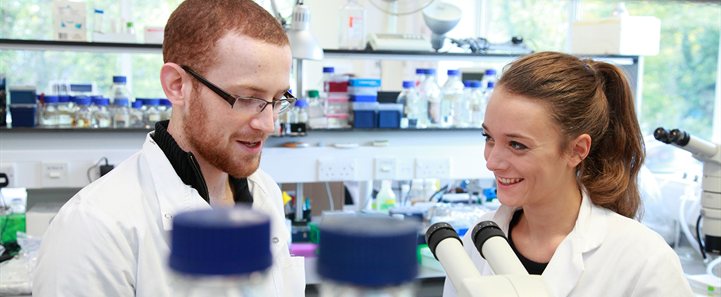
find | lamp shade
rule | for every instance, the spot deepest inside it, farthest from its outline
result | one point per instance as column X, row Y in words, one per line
column 302, row 43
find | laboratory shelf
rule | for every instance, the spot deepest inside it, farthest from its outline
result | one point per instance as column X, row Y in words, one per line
column 82, row 46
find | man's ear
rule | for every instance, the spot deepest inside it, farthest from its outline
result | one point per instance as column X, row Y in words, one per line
column 171, row 78
column 580, row 148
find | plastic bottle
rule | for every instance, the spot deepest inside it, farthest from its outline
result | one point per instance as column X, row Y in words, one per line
column 121, row 113
column 137, row 119
column 367, row 256
column 316, row 110
column 420, row 76
column 477, row 106
column 463, row 107
column 328, row 73
column 451, row 96
column 489, row 75
column 485, row 96
column 299, row 117
column 409, row 98
column 83, row 115
column 119, row 88
column 66, row 112
column 352, row 26
column 49, row 113
column 166, row 109
column 417, row 193
column 240, row 236
column 101, row 115
column 386, row 198
column 431, row 94
column 152, row 113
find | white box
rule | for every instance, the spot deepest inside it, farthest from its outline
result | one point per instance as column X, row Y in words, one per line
column 627, row 35
column 69, row 21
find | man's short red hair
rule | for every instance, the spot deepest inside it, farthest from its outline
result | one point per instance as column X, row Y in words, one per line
column 196, row 25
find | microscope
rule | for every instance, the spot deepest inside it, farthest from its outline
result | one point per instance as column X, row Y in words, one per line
column 511, row 279
column 710, row 154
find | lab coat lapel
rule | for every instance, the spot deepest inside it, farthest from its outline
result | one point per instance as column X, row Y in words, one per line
column 173, row 195
column 567, row 264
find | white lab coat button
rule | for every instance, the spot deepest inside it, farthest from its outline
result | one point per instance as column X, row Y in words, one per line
column 275, row 240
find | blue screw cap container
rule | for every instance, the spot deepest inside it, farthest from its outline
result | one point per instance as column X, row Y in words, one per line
column 120, row 79
column 475, row 84
column 220, row 241
column 368, row 251
column 408, row 84
column 328, row 70
column 453, row 72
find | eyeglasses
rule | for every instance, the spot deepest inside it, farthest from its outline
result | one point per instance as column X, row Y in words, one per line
column 241, row 104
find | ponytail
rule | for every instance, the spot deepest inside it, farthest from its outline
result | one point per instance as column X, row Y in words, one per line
column 610, row 171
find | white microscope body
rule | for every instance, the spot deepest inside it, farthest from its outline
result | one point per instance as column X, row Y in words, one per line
column 710, row 154
column 511, row 279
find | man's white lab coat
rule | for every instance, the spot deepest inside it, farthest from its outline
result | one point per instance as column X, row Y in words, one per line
column 111, row 238
column 605, row 254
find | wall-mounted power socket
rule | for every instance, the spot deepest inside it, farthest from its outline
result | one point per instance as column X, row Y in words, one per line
column 332, row 169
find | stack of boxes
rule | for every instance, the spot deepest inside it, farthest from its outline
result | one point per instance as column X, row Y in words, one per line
column 23, row 106
column 367, row 111
column 336, row 103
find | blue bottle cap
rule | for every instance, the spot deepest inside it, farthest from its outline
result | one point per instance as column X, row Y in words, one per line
column 490, row 71
column 102, row 101
column 150, row 101
column 82, row 100
column 137, row 104
column 466, row 83
column 475, row 84
column 220, row 241
column 120, row 102
column 165, row 102
column 408, row 84
column 64, row 98
column 431, row 71
column 420, row 71
column 368, row 251
column 51, row 99
column 119, row 79
column 301, row 103
column 491, row 85
column 453, row 72
column 328, row 70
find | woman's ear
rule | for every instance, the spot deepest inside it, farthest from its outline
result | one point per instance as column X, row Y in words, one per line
column 580, row 148
column 171, row 78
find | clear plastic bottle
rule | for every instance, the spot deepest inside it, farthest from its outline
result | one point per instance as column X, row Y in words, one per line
column 431, row 94
column 119, row 88
column 386, row 198
column 463, row 107
column 328, row 73
column 316, row 110
column 152, row 113
column 166, row 109
column 352, row 26
column 49, row 113
column 421, row 74
column 451, row 97
column 366, row 256
column 240, row 235
column 121, row 113
column 137, row 120
column 101, row 114
column 409, row 98
column 299, row 118
column 83, row 115
column 486, row 95
column 475, row 99
column 490, row 75
column 66, row 112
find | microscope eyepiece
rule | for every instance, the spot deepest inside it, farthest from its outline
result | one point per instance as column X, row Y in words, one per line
column 679, row 137
column 661, row 135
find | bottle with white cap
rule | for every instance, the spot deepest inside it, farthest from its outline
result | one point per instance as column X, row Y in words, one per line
column 364, row 256
column 221, row 252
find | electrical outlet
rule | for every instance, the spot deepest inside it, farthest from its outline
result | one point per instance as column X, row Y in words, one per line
column 9, row 170
column 433, row 168
column 384, row 168
column 330, row 169
column 54, row 174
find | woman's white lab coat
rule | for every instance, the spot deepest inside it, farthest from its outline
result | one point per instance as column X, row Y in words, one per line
column 605, row 254
column 111, row 239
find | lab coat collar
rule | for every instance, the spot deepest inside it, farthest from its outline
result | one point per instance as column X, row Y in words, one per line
column 173, row 195
column 567, row 263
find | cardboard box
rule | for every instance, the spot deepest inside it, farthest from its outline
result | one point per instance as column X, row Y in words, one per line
column 69, row 22
column 627, row 35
